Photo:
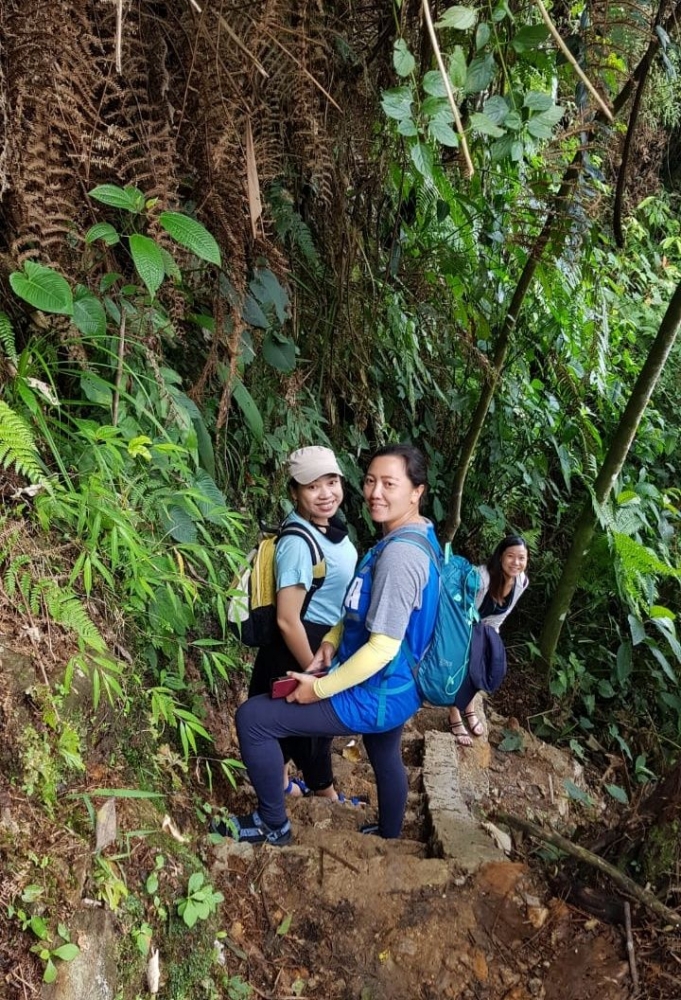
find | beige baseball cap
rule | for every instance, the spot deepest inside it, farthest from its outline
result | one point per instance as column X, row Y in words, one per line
column 307, row 464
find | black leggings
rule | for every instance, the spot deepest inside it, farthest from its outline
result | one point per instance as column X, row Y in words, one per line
column 311, row 755
column 261, row 724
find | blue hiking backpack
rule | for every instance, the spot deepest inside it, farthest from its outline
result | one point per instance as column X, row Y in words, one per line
column 441, row 670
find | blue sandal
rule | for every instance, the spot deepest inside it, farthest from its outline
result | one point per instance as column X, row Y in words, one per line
column 296, row 783
column 353, row 800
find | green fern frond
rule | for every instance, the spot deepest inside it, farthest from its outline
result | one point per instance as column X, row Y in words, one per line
column 7, row 339
column 67, row 610
column 17, row 446
column 12, row 575
column 290, row 226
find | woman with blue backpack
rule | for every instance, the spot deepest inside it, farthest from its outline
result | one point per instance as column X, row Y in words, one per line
column 502, row 582
column 370, row 689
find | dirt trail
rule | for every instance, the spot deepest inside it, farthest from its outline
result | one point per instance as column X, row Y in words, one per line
column 441, row 913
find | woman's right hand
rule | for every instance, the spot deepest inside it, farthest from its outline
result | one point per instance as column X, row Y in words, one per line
column 322, row 658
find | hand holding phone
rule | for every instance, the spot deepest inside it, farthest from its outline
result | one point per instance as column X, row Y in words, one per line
column 282, row 687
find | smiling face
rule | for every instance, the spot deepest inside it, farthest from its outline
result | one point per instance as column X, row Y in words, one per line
column 319, row 500
column 514, row 560
column 390, row 495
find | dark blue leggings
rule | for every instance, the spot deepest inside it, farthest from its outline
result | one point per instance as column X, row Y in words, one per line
column 262, row 721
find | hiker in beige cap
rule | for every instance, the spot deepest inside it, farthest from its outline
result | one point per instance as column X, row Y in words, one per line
column 305, row 611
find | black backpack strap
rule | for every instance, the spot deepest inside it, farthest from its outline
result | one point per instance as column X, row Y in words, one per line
column 316, row 555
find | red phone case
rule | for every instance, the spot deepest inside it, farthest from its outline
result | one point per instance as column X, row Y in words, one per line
column 281, row 687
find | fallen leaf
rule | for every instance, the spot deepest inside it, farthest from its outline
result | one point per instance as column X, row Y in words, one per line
column 153, row 973
column 169, row 827
column 106, row 826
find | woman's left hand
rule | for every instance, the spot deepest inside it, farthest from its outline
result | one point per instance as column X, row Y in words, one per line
column 304, row 693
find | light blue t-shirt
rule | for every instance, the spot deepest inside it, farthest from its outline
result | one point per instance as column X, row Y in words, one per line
column 293, row 566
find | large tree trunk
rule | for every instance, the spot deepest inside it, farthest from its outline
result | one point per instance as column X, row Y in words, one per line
column 611, row 468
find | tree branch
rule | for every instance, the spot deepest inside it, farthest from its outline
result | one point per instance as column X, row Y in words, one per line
column 619, row 878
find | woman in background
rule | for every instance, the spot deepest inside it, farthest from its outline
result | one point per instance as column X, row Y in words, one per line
column 502, row 583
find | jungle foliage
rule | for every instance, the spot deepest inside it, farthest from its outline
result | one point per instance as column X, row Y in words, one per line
column 247, row 230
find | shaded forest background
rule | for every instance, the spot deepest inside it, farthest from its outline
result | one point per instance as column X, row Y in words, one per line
column 492, row 276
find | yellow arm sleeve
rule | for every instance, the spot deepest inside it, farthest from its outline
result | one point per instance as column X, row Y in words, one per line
column 368, row 660
column 334, row 635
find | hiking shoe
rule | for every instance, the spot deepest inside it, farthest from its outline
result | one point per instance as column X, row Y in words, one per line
column 371, row 829
column 252, row 829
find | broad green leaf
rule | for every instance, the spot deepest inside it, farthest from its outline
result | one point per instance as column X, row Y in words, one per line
column 513, row 121
column 148, row 261
column 279, row 352
column 253, row 314
column 403, row 60
column 422, row 158
column 102, row 231
column 269, row 291
column 443, row 133
column 458, row 68
column 496, row 109
column 539, row 128
column 39, row 927
column 460, row 18
column 537, row 101
column 129, row 198
column 576, row 793
column 529, row 37
column 191, row 234
column 617, row 793
column 485, row 126
column 249, row 409
column 195, row 882
column 502, row 148
column 480, row 74
column 285, row 925
column 658, row 611
column 67, row 952
column 438, row 109
column 96, row 389
column 512, row 741
column 50, row 973
column 482, row 35
column 43, row 288
column 397, row 102
column 88, row 313
column 605, row 688
column 433, row 83
column 181, row 525
column 407, row 127
column 624, row 662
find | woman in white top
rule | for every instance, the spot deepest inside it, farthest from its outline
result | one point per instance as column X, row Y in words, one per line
column 502, row 583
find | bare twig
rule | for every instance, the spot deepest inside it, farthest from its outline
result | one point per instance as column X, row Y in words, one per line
column 448, row 87
column 623, row 881
column 300, row 66
column 552, row 796
column 631, row 955
column 119, row 36
column 573, row 62
column 339, row 859
column 235, row 38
